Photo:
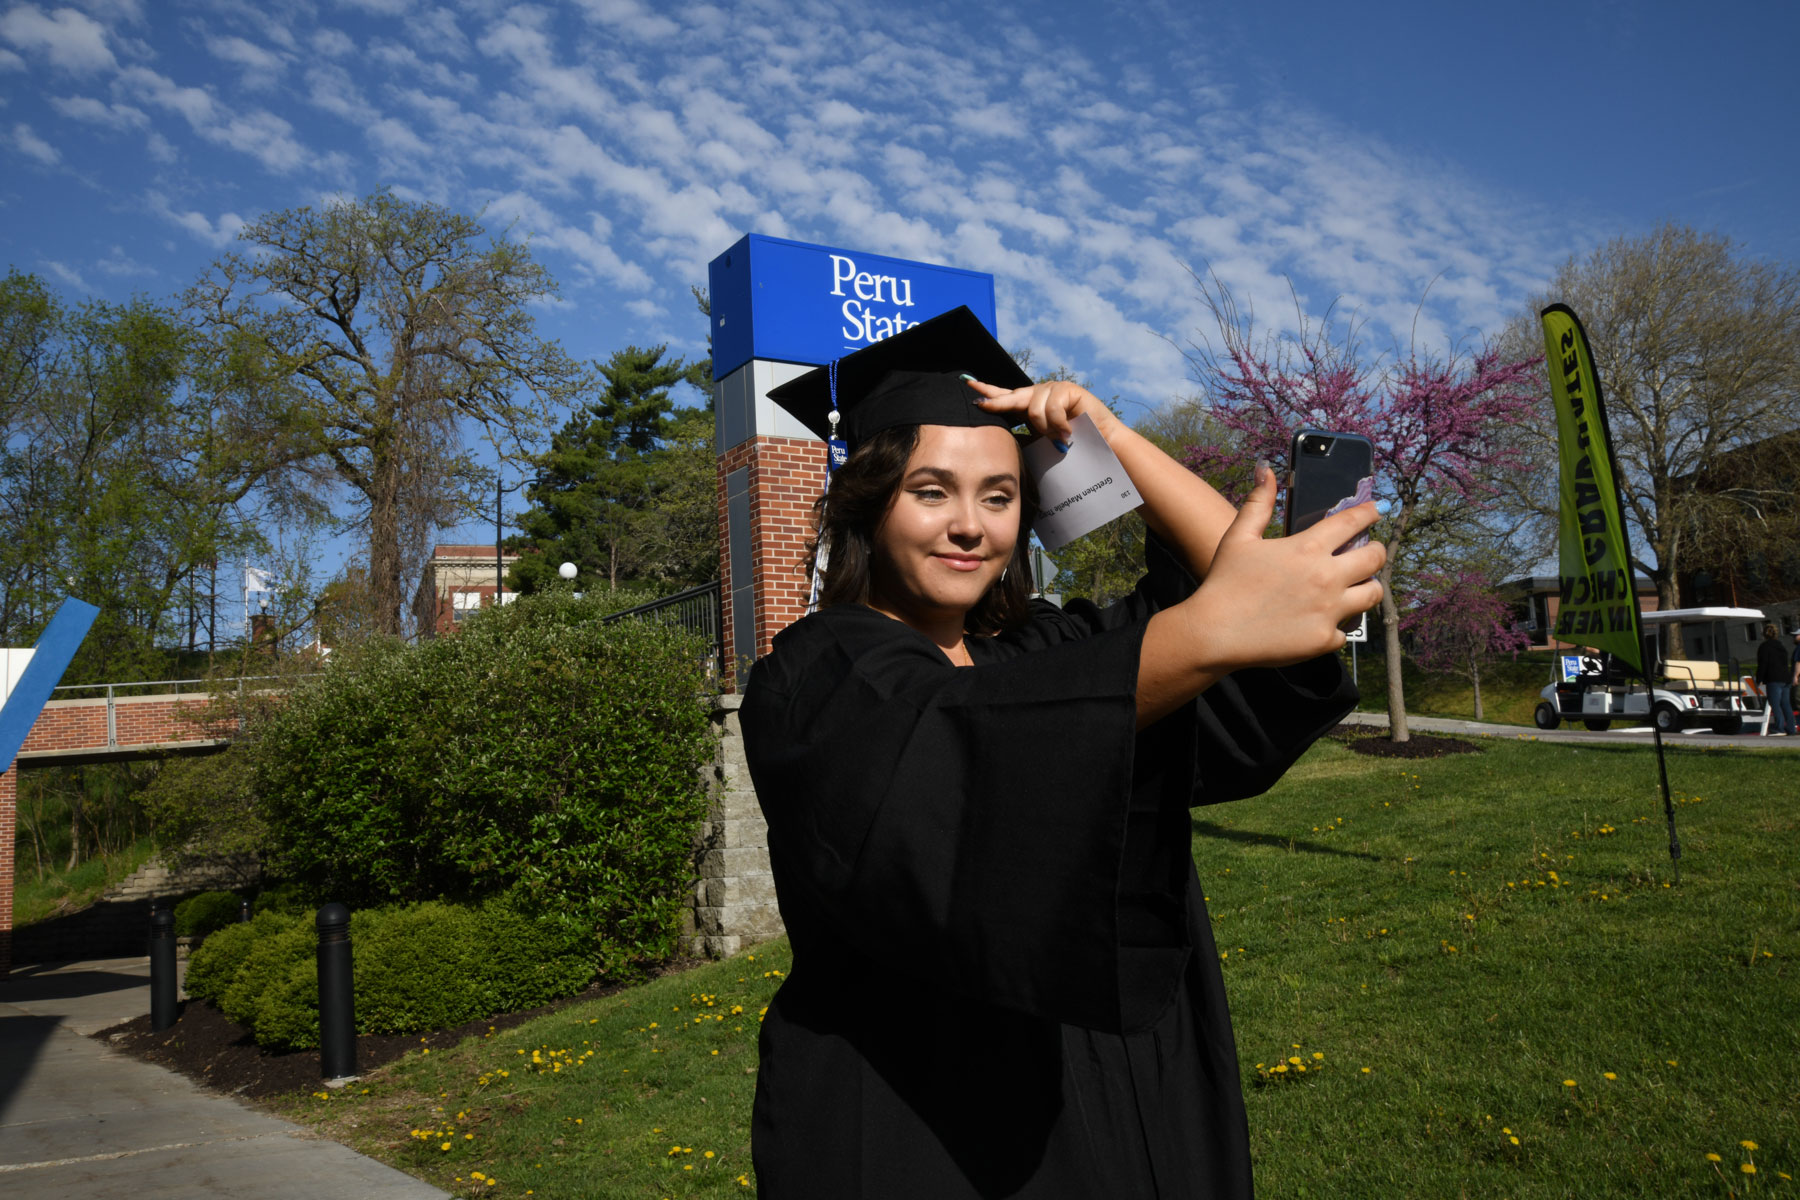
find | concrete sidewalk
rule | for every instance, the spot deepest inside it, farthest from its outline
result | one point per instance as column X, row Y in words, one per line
column 80, row 1121
column 1620, row 735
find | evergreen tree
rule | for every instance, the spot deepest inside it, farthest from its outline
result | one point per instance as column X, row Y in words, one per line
column 626, row 490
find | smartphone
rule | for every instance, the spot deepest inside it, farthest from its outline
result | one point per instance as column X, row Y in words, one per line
column 1328, row 472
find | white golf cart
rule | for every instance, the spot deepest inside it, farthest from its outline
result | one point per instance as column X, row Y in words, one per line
column 1688, row 691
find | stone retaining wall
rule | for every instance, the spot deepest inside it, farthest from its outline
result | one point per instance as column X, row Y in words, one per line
column 118, row 924
column 734, row 898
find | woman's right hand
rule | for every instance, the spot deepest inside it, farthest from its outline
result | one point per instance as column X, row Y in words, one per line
column 1266, row 602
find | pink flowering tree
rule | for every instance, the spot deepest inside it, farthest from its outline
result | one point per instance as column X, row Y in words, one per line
column 1460, row 624
column 1442, row 428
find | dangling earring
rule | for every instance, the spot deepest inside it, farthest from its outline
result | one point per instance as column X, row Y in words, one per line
column 1004, row 572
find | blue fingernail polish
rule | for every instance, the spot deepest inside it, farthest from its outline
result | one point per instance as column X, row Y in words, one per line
column 1059, row 445
column 970, row 378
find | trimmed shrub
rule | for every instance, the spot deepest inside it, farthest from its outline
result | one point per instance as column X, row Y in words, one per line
column 428, row 966
column 537, row 755
column 291, row 941
column 213, row 965
column 206, row 913
column 419, row 967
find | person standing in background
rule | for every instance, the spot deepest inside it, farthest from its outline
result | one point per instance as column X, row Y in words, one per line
column 1775, row 673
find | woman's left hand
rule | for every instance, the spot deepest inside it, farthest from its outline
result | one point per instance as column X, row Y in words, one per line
column 1049, row 408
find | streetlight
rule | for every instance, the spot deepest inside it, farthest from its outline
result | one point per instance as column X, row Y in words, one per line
column 567, row 570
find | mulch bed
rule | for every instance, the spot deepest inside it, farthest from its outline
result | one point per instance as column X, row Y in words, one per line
column 218, row 1053
column 1364, row 739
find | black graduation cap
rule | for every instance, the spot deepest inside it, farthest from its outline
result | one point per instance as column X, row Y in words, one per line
column 913, row 377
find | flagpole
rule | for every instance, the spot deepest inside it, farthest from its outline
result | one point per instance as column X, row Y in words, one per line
column 1662, row 771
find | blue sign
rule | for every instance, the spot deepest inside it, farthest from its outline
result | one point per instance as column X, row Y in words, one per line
column 795, row 302
column 55, row 648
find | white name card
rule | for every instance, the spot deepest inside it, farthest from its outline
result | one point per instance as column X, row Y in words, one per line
column 1080, row 491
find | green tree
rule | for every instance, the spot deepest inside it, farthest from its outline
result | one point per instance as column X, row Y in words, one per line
column 125, row 472
column 626, row 489
column 391, row 324
column 1698, row 349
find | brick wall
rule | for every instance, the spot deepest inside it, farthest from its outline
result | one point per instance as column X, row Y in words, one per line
column 81, row 725
column 137, row 720
column 786, row 477
column 9, row 841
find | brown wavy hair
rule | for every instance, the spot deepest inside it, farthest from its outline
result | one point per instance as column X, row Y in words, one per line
column 847, row 517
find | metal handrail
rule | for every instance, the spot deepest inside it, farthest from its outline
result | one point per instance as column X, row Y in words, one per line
column 130, row 683
column 698, row 609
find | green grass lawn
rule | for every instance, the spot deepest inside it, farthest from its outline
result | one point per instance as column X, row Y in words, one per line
column 1509, row 688
column 61, row 891
column 1461, row 952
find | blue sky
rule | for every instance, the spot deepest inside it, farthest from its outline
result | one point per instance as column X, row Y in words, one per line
column 1087, row 155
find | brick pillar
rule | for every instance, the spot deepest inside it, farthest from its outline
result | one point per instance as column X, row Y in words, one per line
column 9, row 843
column 771, row 470
column 772, row 483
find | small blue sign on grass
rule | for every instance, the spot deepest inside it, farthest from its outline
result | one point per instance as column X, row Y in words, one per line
column 795, row 302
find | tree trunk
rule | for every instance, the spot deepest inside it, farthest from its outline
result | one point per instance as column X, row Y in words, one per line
column 74, row 832
column 384, row 539
column 1668, row 596
column 1390, row 622
column 1475, row 678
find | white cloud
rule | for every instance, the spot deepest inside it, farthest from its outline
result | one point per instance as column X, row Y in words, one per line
column 257, row 132
column 330, row 87
column 66, row 38
column 377, row 8
column 990, row 120
column 217, row 233
column 9, row 62
column 332, row 43
column 262, row 67
column 67, row 274
column 33, row 146
column 119, row 263
column 527, row 219
column 98, row 112
column 632, row 18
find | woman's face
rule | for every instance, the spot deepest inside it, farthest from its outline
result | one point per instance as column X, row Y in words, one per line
column 951, row 527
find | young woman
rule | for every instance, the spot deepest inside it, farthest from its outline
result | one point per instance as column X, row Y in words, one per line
column 1004, row 979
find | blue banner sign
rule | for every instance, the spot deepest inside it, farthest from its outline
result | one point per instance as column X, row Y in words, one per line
column 55, row 648
column 795, row 302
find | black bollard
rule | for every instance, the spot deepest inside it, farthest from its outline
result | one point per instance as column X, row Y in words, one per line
column 243, row 912
column 162, row 967
column 337, row 1007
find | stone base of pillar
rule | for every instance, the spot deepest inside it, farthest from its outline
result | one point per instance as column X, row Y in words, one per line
column 734, row 898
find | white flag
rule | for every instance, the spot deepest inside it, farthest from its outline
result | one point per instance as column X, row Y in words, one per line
column 257, row 580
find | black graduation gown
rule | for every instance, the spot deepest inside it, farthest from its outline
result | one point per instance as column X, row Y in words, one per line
column 1004, row 980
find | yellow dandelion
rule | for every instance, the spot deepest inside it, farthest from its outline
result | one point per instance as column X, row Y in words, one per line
column 709, row 1154
column 1609, row 1075
column 1568, row 1083
column 1514, row 1140
column 1711, row 1157
column 1749, row 1145
column 1747, row 1168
